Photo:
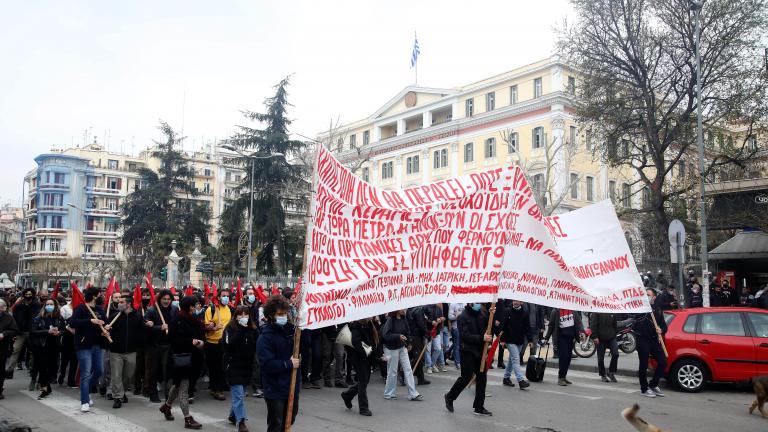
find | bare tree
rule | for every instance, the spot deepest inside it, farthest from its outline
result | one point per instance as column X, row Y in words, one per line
column 351, row 155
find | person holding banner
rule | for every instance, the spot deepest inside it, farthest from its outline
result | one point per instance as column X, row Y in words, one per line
column 159, row 350
column 396, row 337
column 88, row 321
column 472, row 322
column 649, row 329
column 515, row 328
column 566, row 326
column 363, row 332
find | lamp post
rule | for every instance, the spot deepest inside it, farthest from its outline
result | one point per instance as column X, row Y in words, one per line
column 252, row 157
column 696, row 6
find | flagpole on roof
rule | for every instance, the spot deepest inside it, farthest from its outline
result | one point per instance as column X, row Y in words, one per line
column 416, row 65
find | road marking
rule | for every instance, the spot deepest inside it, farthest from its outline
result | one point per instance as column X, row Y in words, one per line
column 570, row 394
column 201, row 418
column 102, row 421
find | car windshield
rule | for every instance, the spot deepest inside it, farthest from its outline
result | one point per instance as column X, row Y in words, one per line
column 668, row 317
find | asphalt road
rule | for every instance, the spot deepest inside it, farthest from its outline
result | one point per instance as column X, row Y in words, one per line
column 587, row 405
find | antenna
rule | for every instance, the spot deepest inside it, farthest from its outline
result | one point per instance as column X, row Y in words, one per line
column 183, row 108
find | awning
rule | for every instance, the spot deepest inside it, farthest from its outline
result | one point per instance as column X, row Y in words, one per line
column 744, row 245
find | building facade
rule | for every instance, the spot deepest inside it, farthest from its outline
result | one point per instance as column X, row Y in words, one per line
column 11, row 227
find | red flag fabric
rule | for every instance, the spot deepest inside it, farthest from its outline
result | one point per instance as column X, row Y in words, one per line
column 77, row 296
column 492, row 352
column 173, row 290
column 275, row 289
column 261, row 295
column 110, row 291
column 188, row 291
column 117, row 287
column 215, row 295
column 56, row 290
column 238, row 293
column 296, row 290
column 151, row 289
column 137, row 297
column 433, row 333
column 207, row 292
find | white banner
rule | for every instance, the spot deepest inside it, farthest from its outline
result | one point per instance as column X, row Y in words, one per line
column 466, row 239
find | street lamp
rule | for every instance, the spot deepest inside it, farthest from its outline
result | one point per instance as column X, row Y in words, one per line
column 696, row 6
column 252, row 157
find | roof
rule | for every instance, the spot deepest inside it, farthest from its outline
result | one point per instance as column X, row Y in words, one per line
column 744, row 245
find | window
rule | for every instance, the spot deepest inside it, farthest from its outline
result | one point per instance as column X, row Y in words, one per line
column 58, row 178
column 571, row 85
column 469, row 153
column 207, row 172
column 588, row 139
column 752, row 143
column 90, row 181
column 490, row 148
column 112, row 164
column 387, row 170
column 573, row 136
column 538, row 187
column 56, row 222
column 88, row 247
column 690, row 324
column 90, row 203
column 366, row 137
column 725, row 323
column 111, row 227
column 760, row 323
column 109, row 247
column 412, row 165
column 681, row 171
column 490, row 101
column 54, row 245
column 626, row 195
column 538, row 137
column 112, row 203
column 206, row 188
column 514, row 139
column 113, row 183
column 469, row 107
column 352, row 141
column 624, row 152
column 612, row 190
column 366, row 174
column 513, row 94
column 590, row 188
column 574, row 186
column 646, row 197
column 440, row 158
column 238, row 176
column 228, row 176
column 537, row 88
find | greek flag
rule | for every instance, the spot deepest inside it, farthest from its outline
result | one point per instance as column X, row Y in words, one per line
column 415, row 53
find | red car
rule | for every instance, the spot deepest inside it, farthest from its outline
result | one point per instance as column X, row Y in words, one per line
column 724, row 344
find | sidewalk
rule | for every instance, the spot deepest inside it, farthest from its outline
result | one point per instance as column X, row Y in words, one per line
column 628, row 363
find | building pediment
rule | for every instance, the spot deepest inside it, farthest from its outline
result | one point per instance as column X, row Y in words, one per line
column 411, row 97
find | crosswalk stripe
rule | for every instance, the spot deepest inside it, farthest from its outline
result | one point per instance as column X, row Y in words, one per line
column 102, row 421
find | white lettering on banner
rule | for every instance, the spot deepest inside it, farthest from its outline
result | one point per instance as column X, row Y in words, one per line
column 372, row 251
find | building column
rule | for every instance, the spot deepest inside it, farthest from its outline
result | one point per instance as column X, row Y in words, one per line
column 374, row 179
column 400, row 127
column 425, row 165
column 398, row 172
column 426, row 119
column 455, row 159
column 376, row 134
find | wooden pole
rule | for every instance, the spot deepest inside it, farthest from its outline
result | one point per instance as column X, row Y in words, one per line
column 658, row 334
column 115, row 319
column 421, row 355
column 487, row 331
column 104, row 331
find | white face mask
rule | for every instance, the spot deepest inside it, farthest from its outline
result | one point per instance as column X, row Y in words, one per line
column 243, row 321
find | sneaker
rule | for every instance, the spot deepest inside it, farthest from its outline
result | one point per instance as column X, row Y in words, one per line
column 125, row 399
column 524, row 384
column 508, row 382
column 366, row 412
column 90, row 402
column 612, row 377
column 85, row 407
column 657, row 391
column 443, row 368
column 417, row 398
column 649, row 393
column 483, row 412
column 428, row 370
column 448, row 403
column 347, row 402
column 117, row 404
column 566, row 381
column 388, row 397
column 562, row 382
column 604, row 378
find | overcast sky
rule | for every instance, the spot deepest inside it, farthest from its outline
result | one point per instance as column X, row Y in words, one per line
column 116, row 68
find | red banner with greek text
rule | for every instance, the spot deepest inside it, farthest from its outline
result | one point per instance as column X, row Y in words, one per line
column 465, row 239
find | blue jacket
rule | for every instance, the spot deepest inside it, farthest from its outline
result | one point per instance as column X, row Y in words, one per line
column 274, row 349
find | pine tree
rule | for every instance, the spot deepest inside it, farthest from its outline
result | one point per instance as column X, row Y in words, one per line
column 275, row 181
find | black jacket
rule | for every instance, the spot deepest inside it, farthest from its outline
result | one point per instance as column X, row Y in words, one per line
column 644, row 327
column 392, row 330
column 24, row 313
column 472, row 327
column 604, row 326
column 127, row 332
column 183, row 330
column 433, row 312
column 8, row 329
column 239, row 353
column 516, row 325
column 554, row 324
column 40, row 339
column 417, row 322
column 362, row 333
column 695, row 300
column 157, row 336
column 665, row 299
column 87, row 334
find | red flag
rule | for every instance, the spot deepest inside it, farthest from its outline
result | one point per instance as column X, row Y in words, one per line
column 151, row 289
column 189, row 291
column 215, row 295
column 275, row 289
column 173, row 290
column 238, row 293
column 207, row 291
column 433, row 333
column 77, row 296
column 137, row 297
column 492, row 352
column 117, row 287
column 110, row 291
column 296, row 290
column 261, row 295
column 56, row 290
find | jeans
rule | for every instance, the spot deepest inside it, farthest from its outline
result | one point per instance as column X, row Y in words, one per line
column 90, row 370
column 565, row 342
column 645, row 348
column 238, row 402
column 399, row 357
column 455, row 337
column 122, row 367
column 428, row 353
column 470, row 366
column 513, row 363
column 601, row 347
column 437, row 351
column 445, row 334
column 277, row 413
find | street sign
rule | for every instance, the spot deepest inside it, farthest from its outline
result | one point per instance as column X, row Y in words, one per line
column 676, row 227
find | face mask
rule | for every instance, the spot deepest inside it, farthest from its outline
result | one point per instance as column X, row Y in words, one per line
column 281, row 320
column 49, row 308
column 145, row 302
column 198, row 311
column 27, row 299
column 225, row 300
column 243, row 321
column 121, row 307
column 251, row 298
column 476, row 307
column 518, row 307
column 175, row 303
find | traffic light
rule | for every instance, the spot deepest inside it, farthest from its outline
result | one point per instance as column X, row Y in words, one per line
column 164, row 273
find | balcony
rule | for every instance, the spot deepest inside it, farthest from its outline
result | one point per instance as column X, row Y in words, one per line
column 44, row 254
column 48, row 232
column 53, row 209
column 102, row 212
column 102, row 191
column 735, row 185
column 54, row 186
column 100, row 255
column 100, row 234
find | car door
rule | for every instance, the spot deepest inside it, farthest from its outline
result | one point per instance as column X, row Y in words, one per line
column 725, row 344
column 759, row 323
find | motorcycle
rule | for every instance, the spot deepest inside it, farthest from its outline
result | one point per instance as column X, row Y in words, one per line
column 625, row 339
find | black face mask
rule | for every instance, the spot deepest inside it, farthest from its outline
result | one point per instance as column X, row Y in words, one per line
column 28, row 299
column 145, row 302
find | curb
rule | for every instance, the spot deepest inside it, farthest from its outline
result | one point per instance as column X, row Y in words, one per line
column 593, row 369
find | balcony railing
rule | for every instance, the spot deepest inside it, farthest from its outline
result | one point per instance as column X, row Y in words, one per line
column 57, row 186
column 101, row 190
column 48, row 231
column 102, row 212
column 44, row 254
column 100, row 255
column 53, row 208
column 100, row 234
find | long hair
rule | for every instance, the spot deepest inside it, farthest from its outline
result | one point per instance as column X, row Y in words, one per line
column 239, row 310
column 55, row 314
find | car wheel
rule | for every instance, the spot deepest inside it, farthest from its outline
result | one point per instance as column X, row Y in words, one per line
column 689, row 375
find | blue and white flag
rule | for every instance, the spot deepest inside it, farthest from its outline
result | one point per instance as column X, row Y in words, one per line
column 415, row 53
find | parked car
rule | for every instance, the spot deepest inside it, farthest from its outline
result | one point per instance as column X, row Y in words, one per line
column 724, row 344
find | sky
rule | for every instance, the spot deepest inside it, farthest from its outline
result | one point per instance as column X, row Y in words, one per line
column 112, row 70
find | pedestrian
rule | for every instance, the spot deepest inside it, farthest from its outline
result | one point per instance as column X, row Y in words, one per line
column 728, row 294
column 186, row 349
column 515, row 323
column 746, row 298
column 44, row 341
column 566, row 326
column 537, row 316
column 396, row 337
column 88, row 340
column 435, row 324
column 159, row 349
column 24, row 310
column 649, row 329
column 239, row 342
column 127, row 329
column 695, row 296
column 454, row 310
column 363, row 332
column 254, row 311
column 417, row 322
column 68, row 363
column 8, row 331
column 667, row 300
column 604, row 328
column 216, row 318
column 472, row 325
column 275, row 351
